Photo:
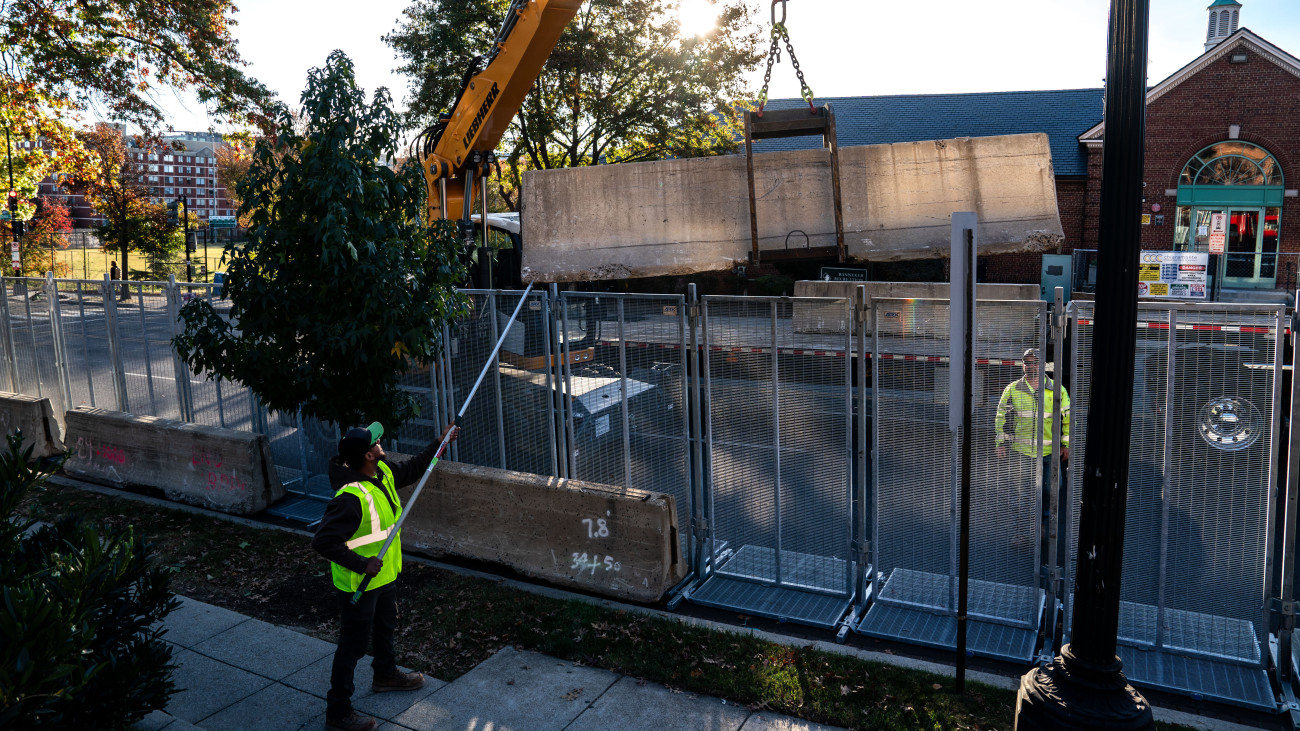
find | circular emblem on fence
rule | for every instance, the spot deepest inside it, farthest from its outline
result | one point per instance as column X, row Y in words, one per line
column 1230, row 423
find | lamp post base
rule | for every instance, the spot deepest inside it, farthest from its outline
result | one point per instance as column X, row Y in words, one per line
column 1071, row 694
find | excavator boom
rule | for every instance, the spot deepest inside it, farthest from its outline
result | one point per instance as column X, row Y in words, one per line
column 491, row 99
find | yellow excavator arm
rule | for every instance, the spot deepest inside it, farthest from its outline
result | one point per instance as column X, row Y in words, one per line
column 488, row 102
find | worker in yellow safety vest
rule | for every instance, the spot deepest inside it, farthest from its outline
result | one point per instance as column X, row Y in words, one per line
column 1016, row 424
column 356, row 523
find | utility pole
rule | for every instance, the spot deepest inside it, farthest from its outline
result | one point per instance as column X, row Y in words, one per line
column 1085, row 687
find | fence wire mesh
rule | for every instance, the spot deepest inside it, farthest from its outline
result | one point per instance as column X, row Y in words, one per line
column 779, row 453
column 85, row 338
column 914, row 525
column 1199, row 523
column 627, row 402
column 33, row 337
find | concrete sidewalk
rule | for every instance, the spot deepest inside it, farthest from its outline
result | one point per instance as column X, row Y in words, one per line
column 240, row 673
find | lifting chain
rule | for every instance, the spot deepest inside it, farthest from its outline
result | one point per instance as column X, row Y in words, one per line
column 779, row 33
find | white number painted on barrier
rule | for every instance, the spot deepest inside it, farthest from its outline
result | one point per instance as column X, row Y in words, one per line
column 583, row 562
column 596, row 528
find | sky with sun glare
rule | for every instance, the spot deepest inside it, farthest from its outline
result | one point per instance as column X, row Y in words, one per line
column 845, row 47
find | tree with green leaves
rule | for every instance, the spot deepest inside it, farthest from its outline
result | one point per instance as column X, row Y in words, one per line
column 339, row 283
column 46, row 233
column 63, row 59
column 622, row 84
column 80, row 641
column 110, row 56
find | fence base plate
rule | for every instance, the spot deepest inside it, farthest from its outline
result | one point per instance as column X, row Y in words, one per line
column 773, row 602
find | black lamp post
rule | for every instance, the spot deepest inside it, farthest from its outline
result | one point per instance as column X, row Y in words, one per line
column 1085, row 687
column 14, row 224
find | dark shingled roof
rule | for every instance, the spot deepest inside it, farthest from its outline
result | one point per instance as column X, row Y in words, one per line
column 873, row 120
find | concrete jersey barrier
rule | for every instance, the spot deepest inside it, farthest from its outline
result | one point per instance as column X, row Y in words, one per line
column 816, row 317
column 219, row 469
column 35, row 416
column 608, row 540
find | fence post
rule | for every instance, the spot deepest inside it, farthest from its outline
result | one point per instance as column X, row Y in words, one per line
column 6, row 330
column 114, row 347
column 496, row 379
column 548, row 334
column 1055, row 524
column 776, row 439
column 694, row 398
column 184, row 393
column 56, row 333
column 861, row 544
column 555, row 339
column 1285, row 635
column 622, row 385
column 302, row 451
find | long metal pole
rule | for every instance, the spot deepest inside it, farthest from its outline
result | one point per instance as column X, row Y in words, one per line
column 397, row 527
column 1085, row 687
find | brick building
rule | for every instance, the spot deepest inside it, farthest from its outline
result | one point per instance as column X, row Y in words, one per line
column 186, row 166
column 1222, row 156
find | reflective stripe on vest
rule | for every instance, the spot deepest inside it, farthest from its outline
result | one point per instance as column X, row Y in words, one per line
column 375, row 534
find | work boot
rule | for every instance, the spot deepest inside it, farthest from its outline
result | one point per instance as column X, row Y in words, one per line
column 397, row 680
column 352, row 722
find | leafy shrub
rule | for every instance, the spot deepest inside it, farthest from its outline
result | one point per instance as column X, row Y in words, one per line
column 79, row 648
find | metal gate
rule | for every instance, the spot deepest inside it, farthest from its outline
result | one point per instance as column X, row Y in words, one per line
column 1199, row 527
column 913, row 524
column 778, row 498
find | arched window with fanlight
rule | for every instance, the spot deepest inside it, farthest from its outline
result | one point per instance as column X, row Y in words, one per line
column 1230, row 202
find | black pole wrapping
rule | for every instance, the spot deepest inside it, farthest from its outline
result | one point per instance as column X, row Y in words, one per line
column 1110, row 415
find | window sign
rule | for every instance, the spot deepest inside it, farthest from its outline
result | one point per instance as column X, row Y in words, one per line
column 1173, row 274
column 1218, row 232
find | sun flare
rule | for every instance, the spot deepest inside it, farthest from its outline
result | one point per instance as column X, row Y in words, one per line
column 696, row 18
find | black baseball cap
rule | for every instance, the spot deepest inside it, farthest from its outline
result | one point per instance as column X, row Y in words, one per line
column 359, row 439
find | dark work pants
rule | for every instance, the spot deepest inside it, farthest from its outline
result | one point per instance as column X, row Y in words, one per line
column 372, row 619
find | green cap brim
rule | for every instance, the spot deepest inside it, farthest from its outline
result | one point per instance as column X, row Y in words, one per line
column 376, row 432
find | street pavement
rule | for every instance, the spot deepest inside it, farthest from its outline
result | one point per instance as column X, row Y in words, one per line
column 240, row 673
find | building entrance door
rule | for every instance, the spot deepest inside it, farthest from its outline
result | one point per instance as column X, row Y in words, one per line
column 1250, row 254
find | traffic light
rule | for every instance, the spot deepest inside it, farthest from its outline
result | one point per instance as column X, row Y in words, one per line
column 13, row 201
column 173, row 215
column 191, row 243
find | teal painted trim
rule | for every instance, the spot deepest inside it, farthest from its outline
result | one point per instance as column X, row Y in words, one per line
column 1219, row 3
column 1250, row 196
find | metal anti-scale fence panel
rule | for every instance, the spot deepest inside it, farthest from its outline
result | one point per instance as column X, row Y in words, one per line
column 33, row 339
column 216, row 402
column 779, row 492
column 914, row 522
column 144, row 332
column 86, row 349
column 1199, row 529
column 627, row 404
column 508, row 424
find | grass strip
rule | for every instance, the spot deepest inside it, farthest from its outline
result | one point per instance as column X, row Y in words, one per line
column 452, row 622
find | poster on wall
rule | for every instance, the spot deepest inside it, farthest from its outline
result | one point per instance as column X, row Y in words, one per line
column 1218, row 232
column 1173, row 274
